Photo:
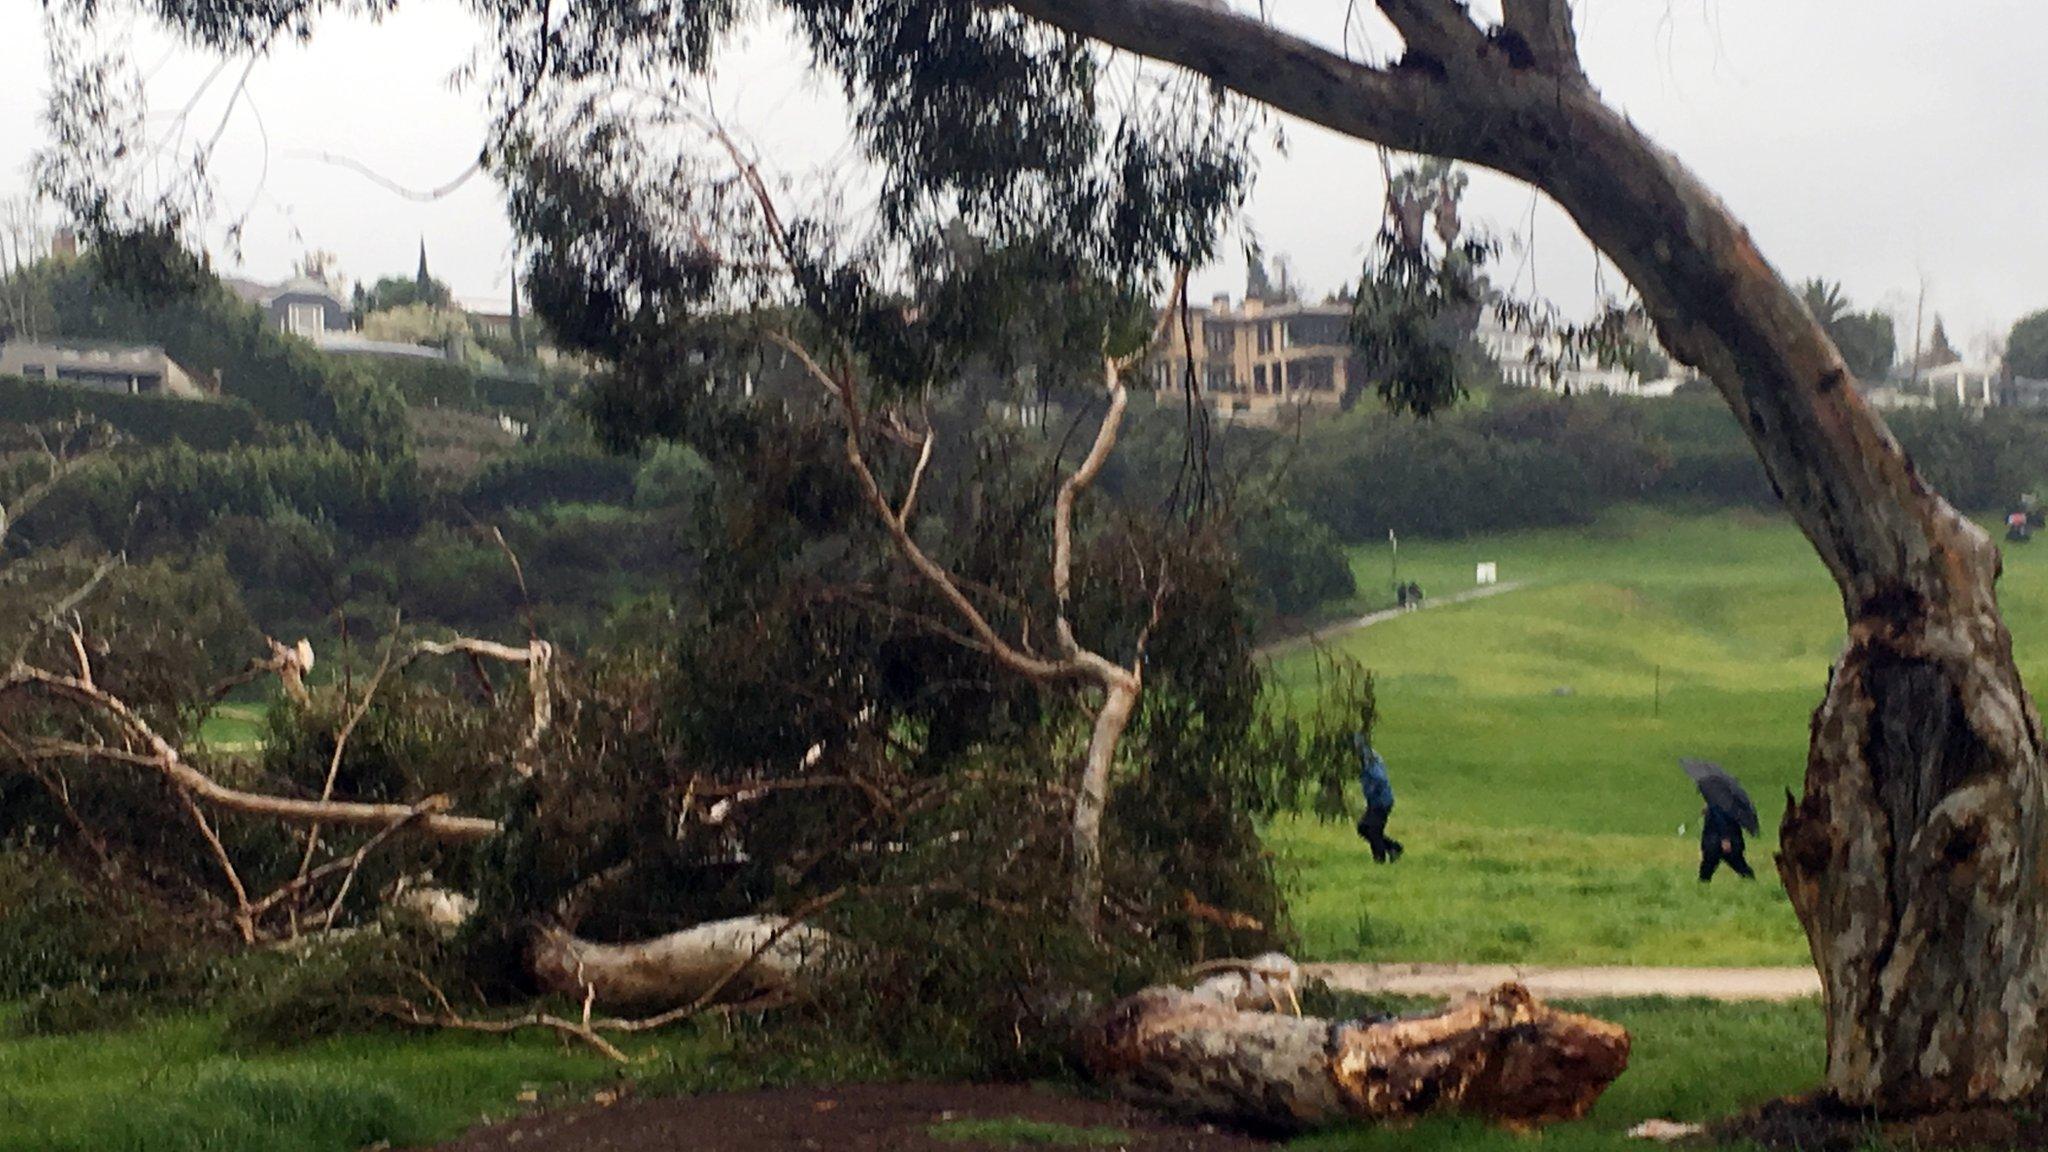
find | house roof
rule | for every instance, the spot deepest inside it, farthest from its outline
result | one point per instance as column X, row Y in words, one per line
column 263, row 294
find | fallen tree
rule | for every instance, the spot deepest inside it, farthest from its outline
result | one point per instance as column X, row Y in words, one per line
column 1216, row 1053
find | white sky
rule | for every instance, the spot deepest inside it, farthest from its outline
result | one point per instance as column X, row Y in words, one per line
column 1885, row 143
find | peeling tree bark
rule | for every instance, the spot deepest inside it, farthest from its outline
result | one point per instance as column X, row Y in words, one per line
column 1503, row 1056
column 1916, row 858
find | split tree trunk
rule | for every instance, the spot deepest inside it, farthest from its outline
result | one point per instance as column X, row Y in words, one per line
column 1916, row 858
column 1503, row 1056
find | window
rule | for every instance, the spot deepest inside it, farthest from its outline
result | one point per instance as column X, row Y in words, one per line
column 1317, row 375
column 1218, row 338
column 35, row 370
column 1259, row 378
column 1265, row 339
column 305, row 319
column 1308, row 331
column 1219, row 379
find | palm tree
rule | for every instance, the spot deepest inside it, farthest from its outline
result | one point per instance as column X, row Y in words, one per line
column 1824, row 300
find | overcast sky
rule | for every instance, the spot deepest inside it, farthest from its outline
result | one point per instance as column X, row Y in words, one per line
column 1885, row 143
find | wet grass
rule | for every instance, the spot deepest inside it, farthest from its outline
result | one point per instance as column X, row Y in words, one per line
column 1534, row 740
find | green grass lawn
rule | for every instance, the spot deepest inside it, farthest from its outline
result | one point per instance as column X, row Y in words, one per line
column 178, row 1086
column 1534, row 737
column 234, row 727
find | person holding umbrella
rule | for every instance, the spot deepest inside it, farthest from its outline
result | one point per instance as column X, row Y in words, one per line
column 1728, row 812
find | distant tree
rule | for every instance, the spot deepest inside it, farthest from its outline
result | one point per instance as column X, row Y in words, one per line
column 25, row 241
column 2026, row 349
column 1259, row 285
column 321, row 265
column 1867, row 343
column 1939, row 350
column 1865, row 339
column 1421, row 292
column 1824, row 300
column 1644, row 359
column 404, row 292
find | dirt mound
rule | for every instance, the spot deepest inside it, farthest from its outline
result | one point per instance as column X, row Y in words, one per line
column 855, row 1118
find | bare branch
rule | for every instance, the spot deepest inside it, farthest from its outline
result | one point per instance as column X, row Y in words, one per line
column 539, row 658
column 942, row 581
column 433, row 820
column 448, row 1018
column 244, row 921
column 924, row 458
column 348, row 728
column 1091, row 466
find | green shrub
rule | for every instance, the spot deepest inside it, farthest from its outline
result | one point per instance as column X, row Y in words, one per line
column 424, row 383
column 82, row 954
column 208, row 425
column 172, row 495
column 553, row 476
column 1294, row 563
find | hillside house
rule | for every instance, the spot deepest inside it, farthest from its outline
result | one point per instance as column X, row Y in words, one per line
column 301, row 306
column 135, row 369
column 1264, row 359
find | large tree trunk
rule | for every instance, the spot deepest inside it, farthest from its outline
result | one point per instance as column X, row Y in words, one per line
column 1503, row 1056
column 1915, row 859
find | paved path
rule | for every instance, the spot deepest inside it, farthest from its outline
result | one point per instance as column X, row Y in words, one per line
column 1573, row 983
column 1332, row 631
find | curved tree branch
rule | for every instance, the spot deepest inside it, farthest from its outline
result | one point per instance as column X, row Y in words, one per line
column 430, row 816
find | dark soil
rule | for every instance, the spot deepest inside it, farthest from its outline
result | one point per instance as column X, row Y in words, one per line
column 1818, row 1124
column 853, row 1118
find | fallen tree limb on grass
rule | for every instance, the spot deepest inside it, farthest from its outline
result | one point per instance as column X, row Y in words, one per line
column 1504, row 1056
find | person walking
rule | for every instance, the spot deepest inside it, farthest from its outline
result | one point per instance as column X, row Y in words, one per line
column 1728, row 812
column 1379, row 802
column 1721, row 842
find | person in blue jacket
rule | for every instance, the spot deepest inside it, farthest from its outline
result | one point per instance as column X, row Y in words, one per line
column 1379, row 801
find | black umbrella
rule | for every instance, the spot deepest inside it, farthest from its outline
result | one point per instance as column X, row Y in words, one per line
column 1721, row 791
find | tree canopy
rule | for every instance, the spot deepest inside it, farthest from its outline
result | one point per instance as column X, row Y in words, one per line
column 2026, row 348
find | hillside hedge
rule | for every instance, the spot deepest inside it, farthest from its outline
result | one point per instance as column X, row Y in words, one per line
column 204, row 424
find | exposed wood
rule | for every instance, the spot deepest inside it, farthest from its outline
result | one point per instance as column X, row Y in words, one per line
column 1503, row 1056
column 743, row 959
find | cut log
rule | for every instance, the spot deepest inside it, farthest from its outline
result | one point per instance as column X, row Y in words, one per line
column 1503, row 1055
column 734, row 960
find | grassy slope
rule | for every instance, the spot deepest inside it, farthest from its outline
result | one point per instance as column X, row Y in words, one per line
column 1540, row 798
